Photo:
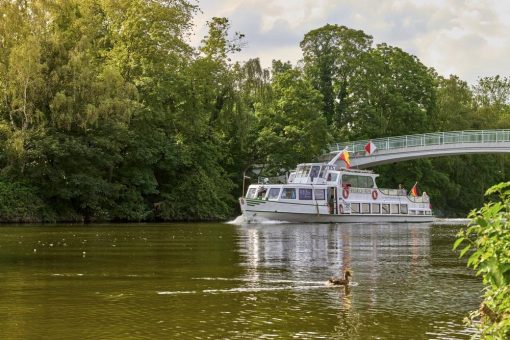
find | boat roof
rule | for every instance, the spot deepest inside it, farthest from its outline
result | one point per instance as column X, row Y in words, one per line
column 334, row 167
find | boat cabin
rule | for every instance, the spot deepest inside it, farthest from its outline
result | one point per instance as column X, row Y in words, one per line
column 320, row 173
column 310, row 181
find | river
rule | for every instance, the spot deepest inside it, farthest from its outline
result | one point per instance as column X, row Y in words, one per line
column 210, row 281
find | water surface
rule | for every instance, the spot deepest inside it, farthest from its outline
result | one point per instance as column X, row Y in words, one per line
column 238, row 282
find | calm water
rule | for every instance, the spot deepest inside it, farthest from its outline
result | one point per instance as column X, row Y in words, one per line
column 236, row 282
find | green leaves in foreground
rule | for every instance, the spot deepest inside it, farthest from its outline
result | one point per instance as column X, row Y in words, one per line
column 488, row 238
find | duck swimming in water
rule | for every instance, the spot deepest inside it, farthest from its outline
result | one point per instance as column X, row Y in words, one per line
column 339, row 281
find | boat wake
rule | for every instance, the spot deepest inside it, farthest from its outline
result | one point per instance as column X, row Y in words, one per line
column 241, row 220
column 294, row 285
column 316, row 283
column 242, row 290
column 451, row 221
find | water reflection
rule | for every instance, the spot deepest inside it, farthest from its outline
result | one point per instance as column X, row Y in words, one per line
column 398, row 287
column 297, row 247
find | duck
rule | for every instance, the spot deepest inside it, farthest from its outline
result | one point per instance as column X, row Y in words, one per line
column 337, row 281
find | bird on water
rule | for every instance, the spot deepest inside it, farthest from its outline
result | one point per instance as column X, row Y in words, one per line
column 338, row 281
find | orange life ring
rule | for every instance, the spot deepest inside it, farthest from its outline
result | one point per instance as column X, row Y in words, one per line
column 374, row 194
column 345, row 192
column 341, row 208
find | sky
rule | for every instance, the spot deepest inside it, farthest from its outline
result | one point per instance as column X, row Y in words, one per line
column 467, row 38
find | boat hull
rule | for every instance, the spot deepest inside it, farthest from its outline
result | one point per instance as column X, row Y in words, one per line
column 254, row 216
column 257, row 210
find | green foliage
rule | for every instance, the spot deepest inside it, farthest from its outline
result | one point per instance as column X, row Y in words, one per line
column 20, row 203
column 487, row 241
column 393, row 93
column 454, row 104
column 291, row 128
column 332, row 55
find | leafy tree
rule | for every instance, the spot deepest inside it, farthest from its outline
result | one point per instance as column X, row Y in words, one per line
column 454, row 104
column 206, row 134
column 292, row 130
column 492, row 102
column 332, row 55
column 394, row 95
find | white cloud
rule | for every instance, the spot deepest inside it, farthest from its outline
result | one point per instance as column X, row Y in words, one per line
column 468, row 38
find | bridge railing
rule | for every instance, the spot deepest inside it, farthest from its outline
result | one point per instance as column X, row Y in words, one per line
column 426, row 139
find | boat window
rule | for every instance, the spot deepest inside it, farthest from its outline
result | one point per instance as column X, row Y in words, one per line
column 320, row 194
column 332, row 177
column 376, row 208
column 385, row 208
column 403, row 208
column 299, row 171
column 273, row 193
column 289, row 194
column 355, row 208
column 394, row 208
column 261, row 193
column 365, row 208
column 357, row 181
column 314, row 173
column 302, row 171
column 306, row 170
column 305, row 194
column 321, row 173
column 251, row 193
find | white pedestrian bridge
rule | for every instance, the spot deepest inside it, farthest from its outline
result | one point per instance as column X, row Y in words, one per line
column 403, row 148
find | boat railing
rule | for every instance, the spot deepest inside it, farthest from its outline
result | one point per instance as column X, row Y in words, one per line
column 272, row 180
column 420, row 199
column 394, row 192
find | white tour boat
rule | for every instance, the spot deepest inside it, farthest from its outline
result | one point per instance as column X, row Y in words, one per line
column 325, row 192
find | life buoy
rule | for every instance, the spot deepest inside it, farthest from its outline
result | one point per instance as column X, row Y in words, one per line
column 345, row 192
column 340, row 208
column 374, row 194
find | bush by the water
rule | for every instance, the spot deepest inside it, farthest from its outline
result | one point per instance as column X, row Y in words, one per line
column 20, row 203
column 487, row 239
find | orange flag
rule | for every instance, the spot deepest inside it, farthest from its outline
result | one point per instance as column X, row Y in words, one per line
column 414, row 190
column 345, row 157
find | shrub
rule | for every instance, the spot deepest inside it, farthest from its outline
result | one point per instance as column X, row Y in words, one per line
column 487, row 241
column 20, row 203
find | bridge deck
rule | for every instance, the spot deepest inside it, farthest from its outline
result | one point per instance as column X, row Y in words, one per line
column 400, row 148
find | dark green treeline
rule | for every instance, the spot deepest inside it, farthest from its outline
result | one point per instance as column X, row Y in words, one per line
column 108, row 113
